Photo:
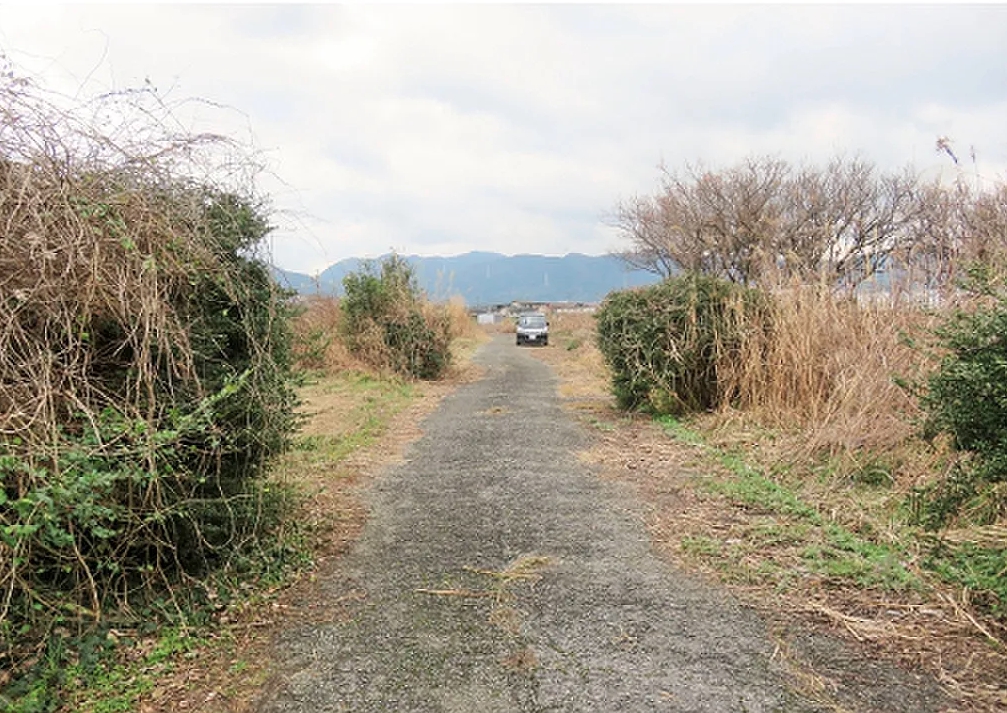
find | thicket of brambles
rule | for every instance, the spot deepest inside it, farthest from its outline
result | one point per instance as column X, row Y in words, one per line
column 144, row 361
column 850, row 262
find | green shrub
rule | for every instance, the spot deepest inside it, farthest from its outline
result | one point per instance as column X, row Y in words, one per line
column 671, row 346
column 966, row 400
column 387, row 322
column 147, row 460
column 144, row 370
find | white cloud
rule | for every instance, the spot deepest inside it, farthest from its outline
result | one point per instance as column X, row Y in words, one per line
column 437, row 129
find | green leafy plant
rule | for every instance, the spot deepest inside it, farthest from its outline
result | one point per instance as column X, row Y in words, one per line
column 966, row 401
column 671, row 345
column 387, row 322
column 980, row 570
column 843, row 555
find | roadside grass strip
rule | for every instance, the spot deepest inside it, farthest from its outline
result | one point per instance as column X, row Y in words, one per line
column 369, row 404
column 779, row 522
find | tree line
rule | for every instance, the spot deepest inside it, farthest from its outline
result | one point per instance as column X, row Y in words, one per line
column 765, row 221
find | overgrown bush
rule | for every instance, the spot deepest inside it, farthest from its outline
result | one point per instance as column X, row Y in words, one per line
column 669, row 345
column 144, row 361
column 387, row 322
column 966, row 400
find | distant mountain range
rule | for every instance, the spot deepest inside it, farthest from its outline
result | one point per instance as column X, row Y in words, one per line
column 485, row 278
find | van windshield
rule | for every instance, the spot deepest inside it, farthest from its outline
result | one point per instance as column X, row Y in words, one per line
column 533, row 320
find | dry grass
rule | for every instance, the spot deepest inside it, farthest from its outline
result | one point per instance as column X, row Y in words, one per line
column 316, row 334
column 762, row 556
column 570, row 330
column 82, row 253
column 829, row 367
column 507, row 326
column 463, row 324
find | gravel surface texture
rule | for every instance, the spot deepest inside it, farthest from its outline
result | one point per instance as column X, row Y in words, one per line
column 497, row 572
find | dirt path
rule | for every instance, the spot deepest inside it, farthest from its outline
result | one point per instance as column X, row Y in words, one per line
column 497, row 572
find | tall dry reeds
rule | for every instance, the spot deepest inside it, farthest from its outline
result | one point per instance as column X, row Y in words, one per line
column 831, row 365
column 462, row 323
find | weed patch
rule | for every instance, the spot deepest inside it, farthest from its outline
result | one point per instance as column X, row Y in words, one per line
column 828, row 549
column 701, row 546
column 980, row 571
column 845, row 557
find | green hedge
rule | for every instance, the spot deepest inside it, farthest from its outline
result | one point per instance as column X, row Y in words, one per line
column 668, row 345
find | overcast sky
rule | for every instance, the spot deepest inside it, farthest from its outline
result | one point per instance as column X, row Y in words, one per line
column 435, row 130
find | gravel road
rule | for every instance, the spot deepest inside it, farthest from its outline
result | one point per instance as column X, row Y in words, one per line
column 497, row 572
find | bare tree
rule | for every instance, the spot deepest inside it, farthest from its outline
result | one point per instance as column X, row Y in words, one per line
column 985, row 231
column 739, row 210
column 643, row 220
column 932, row 251
column 763, row 220
column 718, row 223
